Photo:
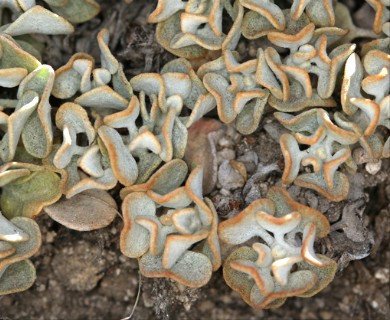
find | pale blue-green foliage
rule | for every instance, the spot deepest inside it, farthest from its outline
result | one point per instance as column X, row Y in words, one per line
column 108, row 129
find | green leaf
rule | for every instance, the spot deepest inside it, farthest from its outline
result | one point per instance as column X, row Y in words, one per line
column 26, row 196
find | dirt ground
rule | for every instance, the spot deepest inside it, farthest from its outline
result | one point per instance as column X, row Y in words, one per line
column 82, row 275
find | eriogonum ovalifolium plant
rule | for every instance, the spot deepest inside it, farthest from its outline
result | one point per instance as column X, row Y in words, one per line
column 106, row 129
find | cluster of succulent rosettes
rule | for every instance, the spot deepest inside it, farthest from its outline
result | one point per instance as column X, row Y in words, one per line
column 283, row 263
column 27, row 137
column 20, row 238
column 190, row 29
column 327, row 144
column 137, row 124
column 109, row 134
column 242, row 90
column 171, row 228
column 285, row 82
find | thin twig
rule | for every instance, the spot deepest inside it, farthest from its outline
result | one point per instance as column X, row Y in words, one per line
column 136, row 300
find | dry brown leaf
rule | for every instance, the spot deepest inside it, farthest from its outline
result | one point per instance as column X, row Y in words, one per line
column 201, row 150
column 89, row 210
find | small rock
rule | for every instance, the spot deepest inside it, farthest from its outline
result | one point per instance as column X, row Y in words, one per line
column 225, row 192
column 50, row 236
column 345, row 305
column 148, row 299
column 229, row 178
column 358, row 289
column 356, row 186
column 374, row 304
column 225, row 154
column 206, row 306
column 250, row 160
column 239, row 167
column 326, row 315
column 253, row 194
column 380, row 303
column 226, row 142
column 232, row 133
column 41, row 287
column 383, row 275
column 373, row 167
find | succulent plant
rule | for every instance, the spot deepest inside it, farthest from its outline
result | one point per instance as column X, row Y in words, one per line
column 263, row 274
column 236, row 93
column 172, row 229
column 328, row 149
column 108, row 130
column 358, row 122
column 20, row 238
column 161, row 137
column 190, row 29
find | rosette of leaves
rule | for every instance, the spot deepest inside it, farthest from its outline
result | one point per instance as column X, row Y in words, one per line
column 324, row 147
column 235, row 91
column 20, row 238
column 308, row 57
column 325, row 66
column 189, row 29
column 266, row 16
column 199, row 100
column 362, row 115
column 290, row 85
column 170, row 228
column 130, row 135
column 92, row 154
column 290, row 78
column 282, row 262
column 241, row 90
column 105, row 89
column 85, row 170
column 161, row 116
